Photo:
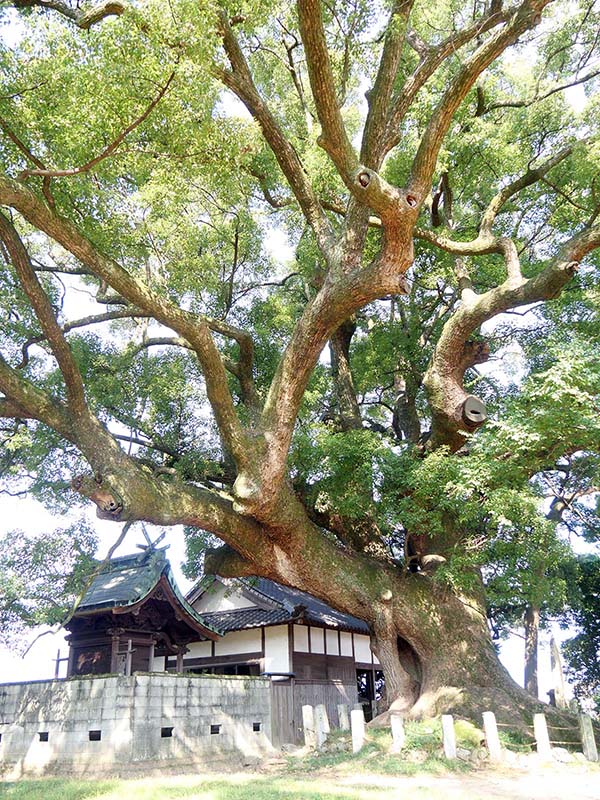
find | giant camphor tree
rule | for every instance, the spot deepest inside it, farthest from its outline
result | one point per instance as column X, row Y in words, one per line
column 330, row 421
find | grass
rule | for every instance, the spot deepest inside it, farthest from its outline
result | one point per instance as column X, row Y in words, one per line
column 331, row 775
column 234, row 787
column 422, row 754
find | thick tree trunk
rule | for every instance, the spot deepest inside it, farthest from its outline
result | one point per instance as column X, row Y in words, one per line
column 434, row 646
column 459, row 668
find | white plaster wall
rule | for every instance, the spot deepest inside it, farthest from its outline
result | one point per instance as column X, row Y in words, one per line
column 362, row 648
column 158, row 664
column 300, row 638
column 345, row 643
column 317, row 640
column 239, row 642
column 198, row 650
column 277, row 651
column 221, row 598
column 332, row 643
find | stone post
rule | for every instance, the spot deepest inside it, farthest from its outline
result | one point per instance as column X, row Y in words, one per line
column 491, row 736
column 542, row 740
column 343, row 717
column 321, row 709
column 357, row 720
column 448, row 736
column 321, row 725
column 308, row 723
column 588, row 741
column 397, row 723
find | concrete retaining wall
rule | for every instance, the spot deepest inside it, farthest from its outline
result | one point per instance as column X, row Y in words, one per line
column 118, row 724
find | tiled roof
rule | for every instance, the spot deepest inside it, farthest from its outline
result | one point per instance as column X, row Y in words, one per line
column 127, row 580
column 316, row 610
column 124, row 581
column 283, row 605
column 243, row 618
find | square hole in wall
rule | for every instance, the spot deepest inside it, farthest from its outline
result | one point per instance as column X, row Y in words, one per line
column 95, row 736
column 166, row 733
column 43, row 736
column 256, row 727
column 215, row 729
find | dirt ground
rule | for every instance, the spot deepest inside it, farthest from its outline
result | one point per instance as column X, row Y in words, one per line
column 543, row 783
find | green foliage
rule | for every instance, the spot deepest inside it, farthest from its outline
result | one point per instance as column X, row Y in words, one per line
column 41, row 577
column 188, row 203
column 341, row 468
column 582, row 652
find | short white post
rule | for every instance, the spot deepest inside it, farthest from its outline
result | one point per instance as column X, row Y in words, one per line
column 322, row 710
column 448, row 736
column 542, row 740
column 321, row 725
column 357, row 720
column 308, row 723
column 397, row 723
column 491, row 736
column 343, row 717
column 588, row 741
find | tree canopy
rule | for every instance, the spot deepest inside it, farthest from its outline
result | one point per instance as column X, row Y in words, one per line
column 320, row 281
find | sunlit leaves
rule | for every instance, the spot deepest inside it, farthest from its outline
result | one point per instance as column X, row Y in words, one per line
column 41, row 576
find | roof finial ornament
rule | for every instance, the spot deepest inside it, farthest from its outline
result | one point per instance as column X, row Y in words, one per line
column 150, row 546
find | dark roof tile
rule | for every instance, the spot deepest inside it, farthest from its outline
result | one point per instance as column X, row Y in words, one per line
column 290, row 604
column 244, row 618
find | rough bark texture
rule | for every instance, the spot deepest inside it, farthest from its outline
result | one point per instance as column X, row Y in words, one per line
column 267, row 528
column 532, row 624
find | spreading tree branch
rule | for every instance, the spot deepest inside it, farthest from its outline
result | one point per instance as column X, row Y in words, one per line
column 366, row 185
column 524, row 17
column 431, row 60
column 239, row 80
column 193, row 328
column 45, row 315
column 334, row 139
column 83, row 18
column 454, row 351
column 379, row 97
column 486, row 242
column 63, row 173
